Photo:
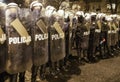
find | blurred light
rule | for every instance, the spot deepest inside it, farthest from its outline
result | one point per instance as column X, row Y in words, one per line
column 1, row 0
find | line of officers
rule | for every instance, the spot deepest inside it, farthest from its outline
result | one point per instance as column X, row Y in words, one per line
column 36, row 38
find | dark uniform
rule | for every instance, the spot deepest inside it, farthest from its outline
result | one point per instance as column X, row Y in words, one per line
column 114, row 36
column 67, row 37
column 94, row 39
column 116, row 26
column 105, row 39
column 119, row 32
column 73, row 41
column 85, row 42
column 82, row 38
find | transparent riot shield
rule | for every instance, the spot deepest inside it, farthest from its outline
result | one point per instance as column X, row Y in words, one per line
column 113, row 34
column 2, row 38
column 73, row 50
column 67, row 36
column 85, row 38
column 25, row 20
column 94, row 39
column 56, row 43
column 109, row 35
column 97, row 36
column 116, row 32
column 19, row 52
column 40, row 36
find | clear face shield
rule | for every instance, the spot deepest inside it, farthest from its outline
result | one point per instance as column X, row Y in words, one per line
column 11, row 13
column 49, row 11
column 36, row 8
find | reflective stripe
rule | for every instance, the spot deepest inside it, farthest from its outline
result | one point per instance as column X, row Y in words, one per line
column 86, row 33
column 109, row 32
column 97, row 30
column 113, row 31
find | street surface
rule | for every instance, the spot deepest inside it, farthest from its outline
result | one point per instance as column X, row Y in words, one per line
column 106, row 70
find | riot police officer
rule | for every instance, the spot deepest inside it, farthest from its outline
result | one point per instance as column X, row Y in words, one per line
column 114, row 36
column 82, row 38
column 19, row 51
column 85, row 38
column 118, row 30
column 73, row 41
column 65, row 5
column 56, row 39
column 2, row 42
column 115, row 25
column 40, row 41
column 93, row 38
column 105, row 38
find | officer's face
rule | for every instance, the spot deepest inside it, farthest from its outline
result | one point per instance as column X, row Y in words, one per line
column 93, row 18
column 49, row 13
column 38, row 8
column 80, row 19
column 103, row 19
column 13, row 12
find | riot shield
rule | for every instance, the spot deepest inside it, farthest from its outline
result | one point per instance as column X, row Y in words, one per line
column 109, row 38
column 67, row 36
column 73, row 51
column 92, row 41
column 40, row 36
column 2, row 38
column 119, row 31
column 116, row 30
column 19, row 51
column 85, row 38
column 97, row 35
column 56, row 42
column 113, row 35
column 109, row 35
